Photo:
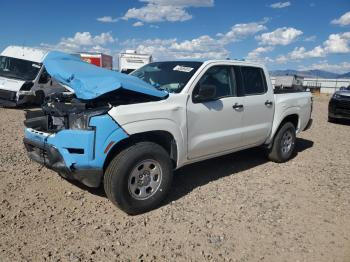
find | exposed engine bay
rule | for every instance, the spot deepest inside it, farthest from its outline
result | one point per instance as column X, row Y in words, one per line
column 65, row 111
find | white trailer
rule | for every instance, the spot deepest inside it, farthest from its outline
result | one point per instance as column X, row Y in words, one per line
column 289, row 81
column 131, row 60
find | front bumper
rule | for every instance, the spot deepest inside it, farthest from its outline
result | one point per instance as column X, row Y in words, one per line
column 76, row 154
column 7, row 103
column 339, row 108
column 9, row 98
column 50, row 157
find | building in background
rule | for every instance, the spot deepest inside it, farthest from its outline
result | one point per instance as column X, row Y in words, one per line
column 131, row 60
column 289, row 82
column 322, row 85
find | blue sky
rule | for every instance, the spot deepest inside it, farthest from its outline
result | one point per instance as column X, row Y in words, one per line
column 299, row 34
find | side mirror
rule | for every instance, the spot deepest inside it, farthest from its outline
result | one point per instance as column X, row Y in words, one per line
column 205, row 93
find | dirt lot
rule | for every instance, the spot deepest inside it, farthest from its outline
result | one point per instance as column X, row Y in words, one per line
column 236, row 208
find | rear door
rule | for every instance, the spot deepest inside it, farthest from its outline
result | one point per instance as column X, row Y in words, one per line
column 258, row 105
column 215, row 126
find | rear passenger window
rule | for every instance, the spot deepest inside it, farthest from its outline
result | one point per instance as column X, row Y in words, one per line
column 253, row 80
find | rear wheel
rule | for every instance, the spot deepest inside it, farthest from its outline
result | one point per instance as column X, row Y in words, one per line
column 283, row 144
column 139, row 177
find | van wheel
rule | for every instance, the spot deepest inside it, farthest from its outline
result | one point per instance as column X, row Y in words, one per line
column 283, row 144
column 139, row 177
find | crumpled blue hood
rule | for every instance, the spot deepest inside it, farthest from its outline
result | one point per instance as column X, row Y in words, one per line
column 89, row 81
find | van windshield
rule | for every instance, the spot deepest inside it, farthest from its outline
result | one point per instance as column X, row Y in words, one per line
column 18, row 68
column 168, row 76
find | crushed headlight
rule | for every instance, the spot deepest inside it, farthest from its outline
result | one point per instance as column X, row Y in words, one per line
column 82, row 120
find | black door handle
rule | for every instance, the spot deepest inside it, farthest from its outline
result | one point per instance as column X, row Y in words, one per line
column 268, row 103
column 237, row 106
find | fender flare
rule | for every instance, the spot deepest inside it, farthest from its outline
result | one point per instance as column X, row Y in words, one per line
column 281, row 117
column 166, row 125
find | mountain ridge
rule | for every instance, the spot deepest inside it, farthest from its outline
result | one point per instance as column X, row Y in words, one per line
column 309, row 73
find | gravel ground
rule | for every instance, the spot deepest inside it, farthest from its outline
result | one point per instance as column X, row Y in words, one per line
column 235, row 208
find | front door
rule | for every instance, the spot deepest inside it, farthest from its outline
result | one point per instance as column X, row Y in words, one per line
column 215, row 126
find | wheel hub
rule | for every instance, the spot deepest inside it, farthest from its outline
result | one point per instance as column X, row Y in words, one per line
column 287, row 141
column 145, row 179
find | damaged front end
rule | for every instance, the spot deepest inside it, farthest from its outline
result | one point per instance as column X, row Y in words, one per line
column 72, row 138
column 73, row 133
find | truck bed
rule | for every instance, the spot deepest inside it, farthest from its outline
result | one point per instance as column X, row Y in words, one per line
column 298, row 101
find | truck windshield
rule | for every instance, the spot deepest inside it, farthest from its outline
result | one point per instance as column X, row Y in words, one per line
column 169, row 76
column 18, row 68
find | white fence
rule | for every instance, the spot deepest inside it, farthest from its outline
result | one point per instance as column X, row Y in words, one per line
column 327, row 86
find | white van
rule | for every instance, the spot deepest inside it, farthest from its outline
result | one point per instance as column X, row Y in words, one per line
column 23, row 78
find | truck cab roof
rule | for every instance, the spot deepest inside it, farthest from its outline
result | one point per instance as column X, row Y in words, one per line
column 218, row 61
column 26, row 53
column 233, row 61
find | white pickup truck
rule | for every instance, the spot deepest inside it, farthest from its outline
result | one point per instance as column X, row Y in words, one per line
column 129, row 132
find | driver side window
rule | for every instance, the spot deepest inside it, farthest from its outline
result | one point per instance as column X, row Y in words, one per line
column 220, row 77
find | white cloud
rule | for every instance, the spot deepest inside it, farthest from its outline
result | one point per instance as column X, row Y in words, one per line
column 339, row 68
column 107, row 19
column 300, row 53
column 198, row 48
column 165, row 10
column 281, row 36
column 204, row 46
column 317, row 51
column 82, row 41
column 185, row 3
column 343, row 20
column 335, row 44
column 241, row 31
column 255, row 55
column 103, row 38
column 138, row 24
column 338, row 43
column 280, row 5
column 310, row 38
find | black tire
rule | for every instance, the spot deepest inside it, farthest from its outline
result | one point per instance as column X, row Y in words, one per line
column 332, row 120
column 120, row 174
column 280, row 152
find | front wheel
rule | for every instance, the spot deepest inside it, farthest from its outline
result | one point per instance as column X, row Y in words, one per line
column 139, row 177
column 283, row 144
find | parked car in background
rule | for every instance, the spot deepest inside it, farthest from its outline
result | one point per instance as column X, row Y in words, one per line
column 23, row 78
column 339, row 105
column 128, row 132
